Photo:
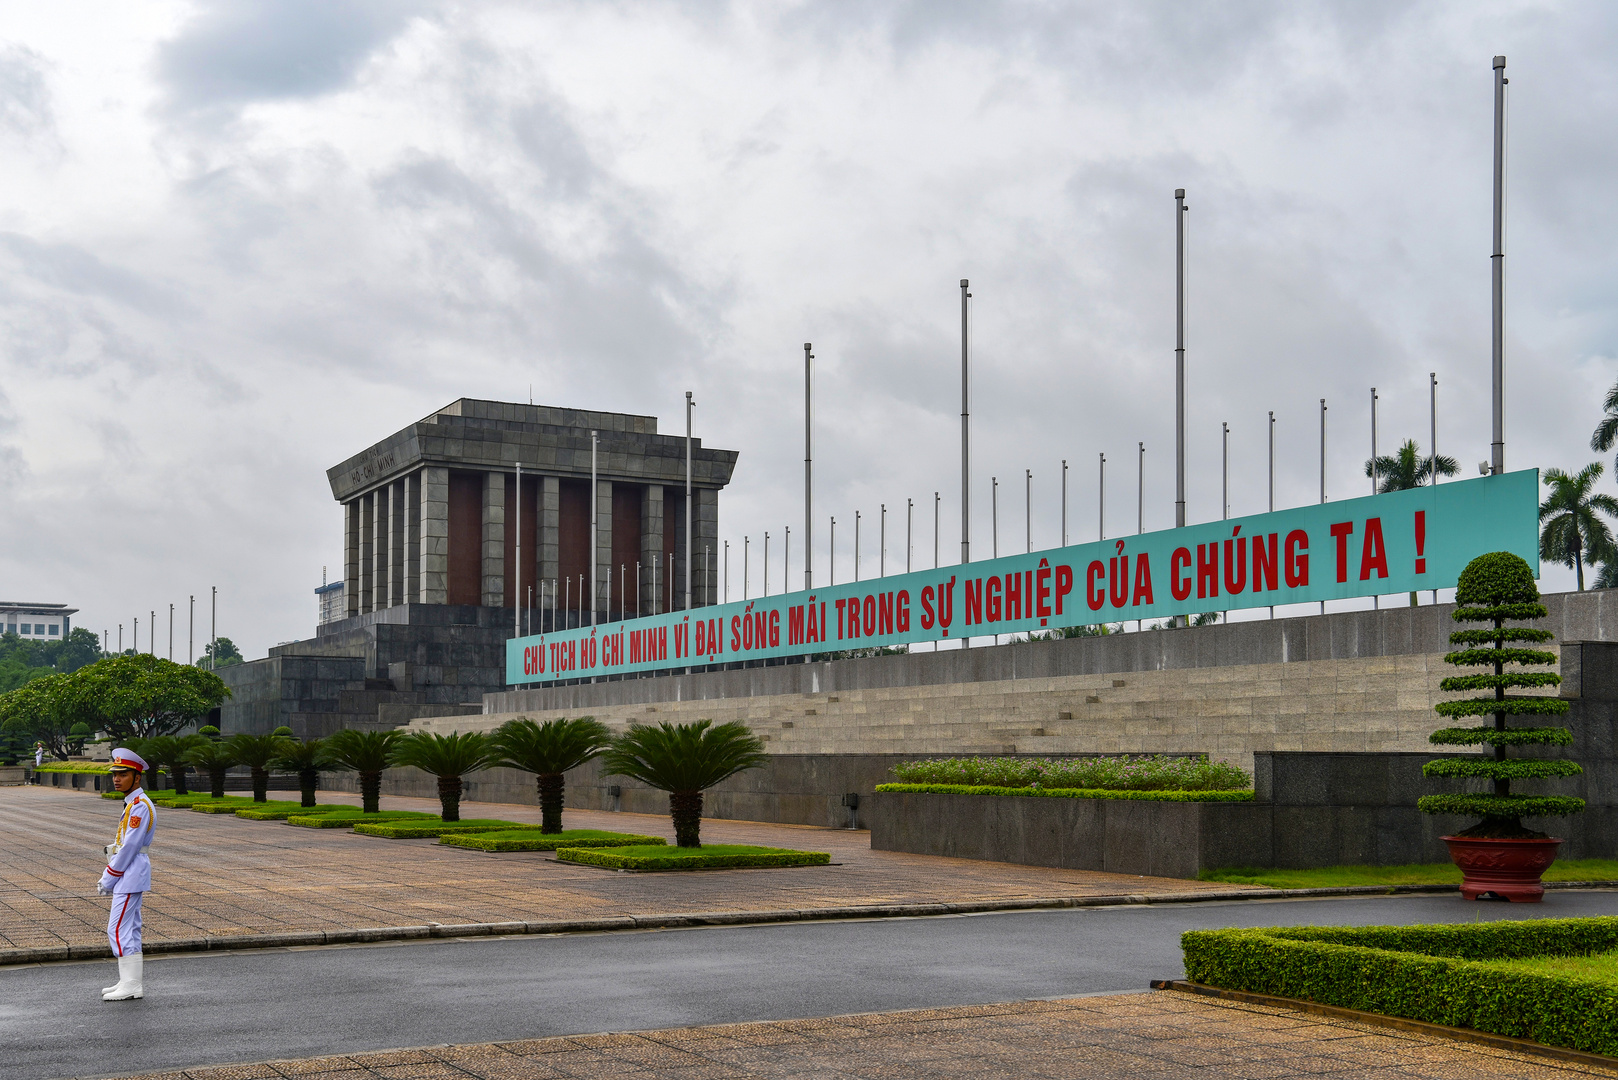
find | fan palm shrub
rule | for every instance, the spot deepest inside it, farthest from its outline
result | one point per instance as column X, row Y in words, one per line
column 548, row 751
column 306, row 758
column 1570, row 529
column 367, row 753
column 258, row 753
column 168, row 752
column 448, row 757
column 683, row 760
column 215, row 758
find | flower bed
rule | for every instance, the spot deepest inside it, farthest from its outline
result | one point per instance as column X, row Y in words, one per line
column 710, row 856
column 534, row 840
column 416, row 830
column 1069, row 793
column 1157, row 773
column 1452, row 975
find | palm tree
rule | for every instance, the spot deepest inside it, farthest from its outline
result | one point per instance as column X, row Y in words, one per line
column 1407, row 469
column 548, row 751
column 683, row 759
column 367, row 753
column 1606, row 432
column 1570, row 526
column 307, row 759
column 448, row 757
column 214, row 758
column 258, row 753
column 169, row 751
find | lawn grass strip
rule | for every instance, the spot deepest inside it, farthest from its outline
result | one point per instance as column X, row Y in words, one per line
column 1069, row 793
column 281, row 813
column 534, row 840
column 341, row 819
column 1435, row 974
column 411, row 830
column 640, row 859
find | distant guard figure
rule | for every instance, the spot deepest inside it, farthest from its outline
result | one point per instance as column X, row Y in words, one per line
column 39, row 754
column 128, row 875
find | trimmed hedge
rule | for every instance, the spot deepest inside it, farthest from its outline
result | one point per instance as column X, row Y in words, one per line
column 413, row 830
column 1119, row 773
column 534, row 840
column 345, row 820
column 74, row 767
column 653, row 857
column 280, row 811
column 221, row 806
column 1436, row 974
column 1069, row 793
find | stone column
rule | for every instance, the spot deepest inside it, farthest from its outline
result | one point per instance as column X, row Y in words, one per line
column 651, row 544
column 351, row 557
column 412, row 538
column 705, row 534
column 434, row 535
column 494, row 539
column 605, row 570
column 367, row 558
column 380, row 543
column 549, row 540
column 396, row 541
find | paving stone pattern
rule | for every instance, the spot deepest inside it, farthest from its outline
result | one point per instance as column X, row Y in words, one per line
column 1123, row 1037
column 221, row 875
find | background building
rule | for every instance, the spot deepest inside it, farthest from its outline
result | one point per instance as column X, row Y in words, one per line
column 332, row 605
column 37, row 622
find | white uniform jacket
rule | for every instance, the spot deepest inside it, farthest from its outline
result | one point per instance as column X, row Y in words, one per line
column 129, row 869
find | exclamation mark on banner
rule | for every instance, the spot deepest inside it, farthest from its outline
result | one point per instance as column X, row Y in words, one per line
column 1421, row 541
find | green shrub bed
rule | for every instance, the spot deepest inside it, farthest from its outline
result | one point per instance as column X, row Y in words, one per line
column 1070, row 793
column 222, row 806
column 348, row 817
column 534, row 840
column 185, row 802
column 1453, row 975
column 1125, row 773
column 75, row 767
column 711, row 856
column 416, row 830
column 280, row 811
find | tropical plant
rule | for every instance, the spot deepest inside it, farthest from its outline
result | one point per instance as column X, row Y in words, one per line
column 1606, row 432
column 169, row 751
column 258, row 753
column 548, row 751
column 308, row 759
column 1570, row 527
column 683, row 760
column 1495, row 588
column 145, row 695
column 1406, row 468
column 50, row 709
column 212, row 756
column 448, row 757
column 367, row 753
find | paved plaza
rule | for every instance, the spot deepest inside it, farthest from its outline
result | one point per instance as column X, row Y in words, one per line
column 221, row 875
column 1120, row 1037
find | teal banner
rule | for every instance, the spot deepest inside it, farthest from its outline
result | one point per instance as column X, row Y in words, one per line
column 1380, row 544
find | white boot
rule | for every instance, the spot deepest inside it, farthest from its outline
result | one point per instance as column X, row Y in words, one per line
column 129, row 979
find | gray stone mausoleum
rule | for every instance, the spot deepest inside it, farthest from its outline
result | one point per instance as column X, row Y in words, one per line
column 443, row 552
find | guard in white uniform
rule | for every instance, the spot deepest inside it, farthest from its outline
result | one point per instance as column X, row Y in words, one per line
column 128, row 875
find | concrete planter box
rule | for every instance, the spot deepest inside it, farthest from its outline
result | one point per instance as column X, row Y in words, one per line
column 1119, row 836
column 13, row 775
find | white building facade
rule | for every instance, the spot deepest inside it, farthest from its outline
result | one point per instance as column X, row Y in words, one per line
column 37, row 622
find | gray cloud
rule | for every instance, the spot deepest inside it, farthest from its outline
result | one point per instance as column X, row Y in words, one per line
column 25, row 97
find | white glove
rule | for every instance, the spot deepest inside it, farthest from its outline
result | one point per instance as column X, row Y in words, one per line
column 104, row 886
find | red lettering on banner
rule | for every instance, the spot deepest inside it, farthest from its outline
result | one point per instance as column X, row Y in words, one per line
column 1341, row 532
column 884, row 613
column 1178, row 585
column 926, row 607
column 735, row 633
column 1207, row 570
column 1118, row 578
column 870, row 616
column 1297, row 563
column 1013, row 608
column 1236, row 563
column 1143, row 579
column 946, row 606
column 812, row 629
column 1421, row 541
column 1093, row 596
column 973, row 609
column 1373, row 554
column 1043, row 591
column 991, row 601
column 795, row 625
column 902, row 610
column 775, row 628
column 1064, row 584
column 1265, row 565
column 841, row 605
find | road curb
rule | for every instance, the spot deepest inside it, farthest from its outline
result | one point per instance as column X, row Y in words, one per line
column 675, row 920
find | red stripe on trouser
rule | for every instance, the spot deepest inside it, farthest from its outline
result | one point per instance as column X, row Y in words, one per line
column 117, row 948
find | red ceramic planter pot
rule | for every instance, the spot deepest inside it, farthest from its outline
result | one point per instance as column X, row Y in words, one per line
column 1509, row 869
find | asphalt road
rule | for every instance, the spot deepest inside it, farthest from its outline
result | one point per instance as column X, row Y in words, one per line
column 253, row 1005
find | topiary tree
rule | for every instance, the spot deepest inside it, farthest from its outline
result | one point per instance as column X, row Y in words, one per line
column 367, row 753
column 448, row 757
column 1494, row 589
column 683, row 759
column 548, row 751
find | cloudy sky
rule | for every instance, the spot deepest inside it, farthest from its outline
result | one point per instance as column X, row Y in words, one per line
column 241, row 241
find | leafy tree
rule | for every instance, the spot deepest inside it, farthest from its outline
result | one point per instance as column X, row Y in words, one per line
column 146, row 695
column 23, row 659
column 1406, row 468
column 212, row 756
column 367, row 753
column 169, row 752
column 683, row 760
column 1495, row 588
column 49, row 709
column 448, row 757
column 308, row 759
column 1569, row 525
column 258, row 753
column 218, row 654
column 548, row 751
